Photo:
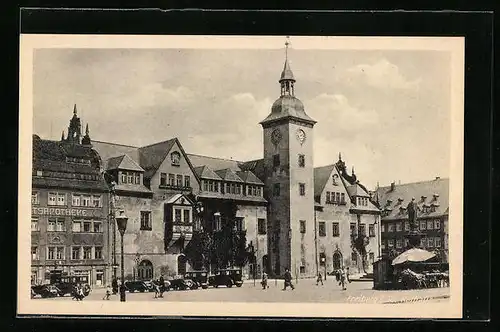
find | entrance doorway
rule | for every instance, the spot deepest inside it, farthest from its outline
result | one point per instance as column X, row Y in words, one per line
column 337, row 260
column 181, row 265
column 145, row 270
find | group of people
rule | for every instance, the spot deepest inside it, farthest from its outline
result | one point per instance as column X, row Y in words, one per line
column 78, row 292
column 342, row 276
column 113, row 290
column 159, row 287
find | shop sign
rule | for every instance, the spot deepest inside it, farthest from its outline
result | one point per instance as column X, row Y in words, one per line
column 46, row 211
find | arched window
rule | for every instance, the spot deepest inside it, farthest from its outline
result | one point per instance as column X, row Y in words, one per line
column 337, row 260
column 145, row 270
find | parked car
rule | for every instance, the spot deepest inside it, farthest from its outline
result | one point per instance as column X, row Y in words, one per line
column 137, row 286
column 66, row 284
column 199, row 278
column 226, row 277
column 180, row 283
column 45, row 291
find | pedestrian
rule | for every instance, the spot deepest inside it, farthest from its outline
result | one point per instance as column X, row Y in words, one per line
column 162, row 285
column 264, row 281
column 319, row 279
column 108, row 293
column 156, row 286
column 288, row 280
column 347, row 275
column 114, row 285
column 343, row 277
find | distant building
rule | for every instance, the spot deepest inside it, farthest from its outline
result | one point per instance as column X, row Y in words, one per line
column 69, row 200
column 432, row 199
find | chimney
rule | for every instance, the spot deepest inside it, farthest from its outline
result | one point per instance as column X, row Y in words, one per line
column 438, row 177
column 393, row 186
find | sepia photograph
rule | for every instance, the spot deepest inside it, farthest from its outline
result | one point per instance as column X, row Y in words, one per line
column 243, row 176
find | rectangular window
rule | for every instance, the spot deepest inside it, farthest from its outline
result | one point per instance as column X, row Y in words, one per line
column 352, row 227
column 179, row 181
column 390, row 243
column 96, row 201
column 77, row 226
column 362, row 229
column 86, row 200
column 87, row 226
column 216, row 186
column 259, row 191
column 52, row 199
column 302, row 226
column 97, row 252
column 276, row 160
column 123, row 177
column 97, row 226
column 390, row 227
column 60, row 225
column 437, row 242
column 187, row 216
column 218, row 223
column 163, row 179
column 399, row 227
column 51, row 253
column 187, row 181
column 399, row 243
column 276, row 189
column 178, row 215
column 75, row 252
column 130, row 177
column 407, row 226
column 87, row 252
column 34, row 252
column 422, row 225
column 137, row 178
column 205, row 185
column 423, row 243
column 261, row 225
column 61, row 199
column 437, row 224
column 171, row 179
column 302, row 269
column 430, row 242
column 34, row 224
column 371, row 230
column 76, row 200
column 327, row 197
column 302, row 189
column 51, row 225
column 302, row 160
column 335, row 229
column 249, row 190
column 59, row 252
column 239, row 224
column 34, row 198
column 342, row 198
column 322, row 228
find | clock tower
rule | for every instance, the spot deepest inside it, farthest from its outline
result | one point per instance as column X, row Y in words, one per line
column 288, row 165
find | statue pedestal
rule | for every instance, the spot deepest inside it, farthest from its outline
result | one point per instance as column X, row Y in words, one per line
column 414, row 238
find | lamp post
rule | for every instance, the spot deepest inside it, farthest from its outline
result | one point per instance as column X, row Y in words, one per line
column 121, row 222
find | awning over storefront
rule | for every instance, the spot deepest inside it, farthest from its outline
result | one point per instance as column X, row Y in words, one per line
column 413, row 255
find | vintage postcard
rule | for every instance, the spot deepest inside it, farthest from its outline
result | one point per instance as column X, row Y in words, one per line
column 241, row 176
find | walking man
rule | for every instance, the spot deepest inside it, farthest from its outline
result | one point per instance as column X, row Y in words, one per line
column 288, row 280
column 319, row 279
column 114, row 285
column 343, row 278
column 264, row 281
column 162, row 285
column 108, row 293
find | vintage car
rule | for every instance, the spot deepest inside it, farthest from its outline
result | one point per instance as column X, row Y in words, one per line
column 226, row 277
column 45, row 291
column 137, row 286
column 199, row 278
column 66, row 284
column 180, row 283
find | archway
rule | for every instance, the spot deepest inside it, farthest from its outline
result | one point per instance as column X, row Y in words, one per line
column 181, row 264
column 145, row 270
column 337, row 260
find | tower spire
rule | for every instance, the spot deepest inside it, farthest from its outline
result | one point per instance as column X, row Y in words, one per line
column 340, row 156
column 62, row 136
column 74, row 109
column 287, row 80
column 87, row 129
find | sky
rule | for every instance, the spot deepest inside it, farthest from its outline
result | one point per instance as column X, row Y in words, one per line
column 386, row 111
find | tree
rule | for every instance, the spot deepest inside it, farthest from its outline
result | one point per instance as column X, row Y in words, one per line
column 359, row 241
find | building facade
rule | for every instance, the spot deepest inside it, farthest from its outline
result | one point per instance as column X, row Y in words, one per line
column 432, row 199
column 69, row 217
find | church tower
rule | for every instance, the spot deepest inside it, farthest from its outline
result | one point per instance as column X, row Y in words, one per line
column 74, row 129
column 288, row 164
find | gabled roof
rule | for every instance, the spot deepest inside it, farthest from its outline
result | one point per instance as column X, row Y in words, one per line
column 321, row 177
column 123, row 162
column 108, row 150
column 249, row 177
column 357, row 190
column 205, row 172
column 229, row 175
column 416, row 190
column 256, row 167
column 151, row 156
column 212, row 162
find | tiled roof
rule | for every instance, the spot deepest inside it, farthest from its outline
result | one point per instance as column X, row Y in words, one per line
column 151, row 156
column 132, row 188
column 287, row 107
column 228, row 175
column 232, row 197
column 415, row 190
column 357, row 190
column 205, row 172
column 46, row 182
column 212, row 162
column 256, row 167
column 108, row 150
column 249, row 177
column 123, row 162
column 321, row 177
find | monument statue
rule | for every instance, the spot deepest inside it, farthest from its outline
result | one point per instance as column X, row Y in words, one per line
column 412, row 215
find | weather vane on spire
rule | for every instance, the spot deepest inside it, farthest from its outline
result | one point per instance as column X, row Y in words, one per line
column 287, row 42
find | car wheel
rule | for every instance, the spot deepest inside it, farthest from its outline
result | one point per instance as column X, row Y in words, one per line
column 229, row 285
column 239, row 285
column 131, row 290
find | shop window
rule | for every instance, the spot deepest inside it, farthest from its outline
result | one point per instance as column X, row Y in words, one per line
column 322, row 228
column 335, row 229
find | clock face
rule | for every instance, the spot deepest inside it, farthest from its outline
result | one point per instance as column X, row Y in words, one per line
column 276, row 136
column 301, row 136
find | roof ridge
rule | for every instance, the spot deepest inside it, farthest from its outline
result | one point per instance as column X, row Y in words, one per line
column 324, row 166
column 129, row 146
column 158, row 143
column 200, row 155
column 416, row 182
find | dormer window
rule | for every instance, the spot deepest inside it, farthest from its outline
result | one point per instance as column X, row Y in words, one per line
column 176, row 158
column 335, row 179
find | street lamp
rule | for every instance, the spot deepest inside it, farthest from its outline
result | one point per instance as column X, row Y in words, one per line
column 121, row 222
